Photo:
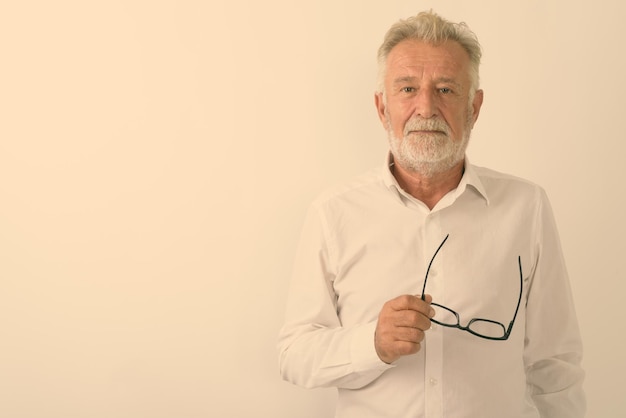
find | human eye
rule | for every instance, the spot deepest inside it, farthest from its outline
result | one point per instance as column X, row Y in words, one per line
column 407, row 89
column 445, row 90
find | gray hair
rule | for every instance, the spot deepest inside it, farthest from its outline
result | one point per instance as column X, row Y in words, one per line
column 433, row 29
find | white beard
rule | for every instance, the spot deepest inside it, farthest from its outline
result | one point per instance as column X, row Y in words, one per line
column 428, row 154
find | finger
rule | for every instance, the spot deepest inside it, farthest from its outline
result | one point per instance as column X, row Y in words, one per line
column 397, row 350
column 411, row 319
column 405, row 348
column 427, row 298
column 411, row 302
column 409, row 335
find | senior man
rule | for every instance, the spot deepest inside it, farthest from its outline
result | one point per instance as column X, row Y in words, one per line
column 431, row 287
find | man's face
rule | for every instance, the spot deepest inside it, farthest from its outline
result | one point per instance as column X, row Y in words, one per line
column 426, row 107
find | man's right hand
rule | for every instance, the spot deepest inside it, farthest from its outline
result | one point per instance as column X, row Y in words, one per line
column 401, row 325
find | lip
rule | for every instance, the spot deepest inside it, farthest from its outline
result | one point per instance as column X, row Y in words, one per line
column 427, row 132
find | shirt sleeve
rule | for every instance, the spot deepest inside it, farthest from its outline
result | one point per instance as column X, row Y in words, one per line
column 553, row 351
column 315, row 350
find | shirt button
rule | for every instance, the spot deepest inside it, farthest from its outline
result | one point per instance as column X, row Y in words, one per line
column 433, row 381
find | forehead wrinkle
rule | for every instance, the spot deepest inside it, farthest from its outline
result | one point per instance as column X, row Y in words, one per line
column 416, row 61
column 410, row 79
column 405, row 79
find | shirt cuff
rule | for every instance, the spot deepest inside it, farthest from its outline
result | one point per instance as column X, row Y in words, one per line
column 363, row 350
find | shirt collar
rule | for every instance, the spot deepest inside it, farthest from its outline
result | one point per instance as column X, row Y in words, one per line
column 470, row 178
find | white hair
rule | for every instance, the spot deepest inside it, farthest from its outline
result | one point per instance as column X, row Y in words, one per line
column 433, row 29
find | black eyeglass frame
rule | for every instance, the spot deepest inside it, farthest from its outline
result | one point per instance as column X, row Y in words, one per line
column 506, row 331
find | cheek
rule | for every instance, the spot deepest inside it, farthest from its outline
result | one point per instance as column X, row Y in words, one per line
column 398, row 128
column 396, row 123
column 460, row 121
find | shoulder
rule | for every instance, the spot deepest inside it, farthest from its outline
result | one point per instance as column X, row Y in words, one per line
column 507, row 190
column 496, row 181
column 352, row 191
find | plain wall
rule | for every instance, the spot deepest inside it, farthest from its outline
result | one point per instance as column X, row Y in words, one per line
column 157, row 158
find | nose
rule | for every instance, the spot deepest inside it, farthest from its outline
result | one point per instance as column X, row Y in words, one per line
column 425, row 104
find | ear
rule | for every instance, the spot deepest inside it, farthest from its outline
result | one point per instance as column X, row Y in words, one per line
column 379, row 102
column 476, row 105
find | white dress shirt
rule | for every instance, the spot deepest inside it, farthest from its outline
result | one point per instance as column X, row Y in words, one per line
column 368, row 241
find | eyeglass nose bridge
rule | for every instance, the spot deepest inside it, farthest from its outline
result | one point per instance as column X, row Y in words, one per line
column 481, row 327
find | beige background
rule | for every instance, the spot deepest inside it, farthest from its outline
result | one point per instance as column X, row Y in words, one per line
column 157, row 157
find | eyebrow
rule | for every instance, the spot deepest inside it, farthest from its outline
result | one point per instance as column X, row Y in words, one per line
column 401, row 80
column 407, row 79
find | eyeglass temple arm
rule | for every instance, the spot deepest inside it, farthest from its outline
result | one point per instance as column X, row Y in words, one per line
column 431, row 263
column 521, row 286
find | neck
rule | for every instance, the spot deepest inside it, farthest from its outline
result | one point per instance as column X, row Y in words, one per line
column 428, row 189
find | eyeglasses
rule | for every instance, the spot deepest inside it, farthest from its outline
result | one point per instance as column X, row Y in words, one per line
column 480, row 327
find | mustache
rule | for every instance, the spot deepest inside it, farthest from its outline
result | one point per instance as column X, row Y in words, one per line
column 419, row 124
